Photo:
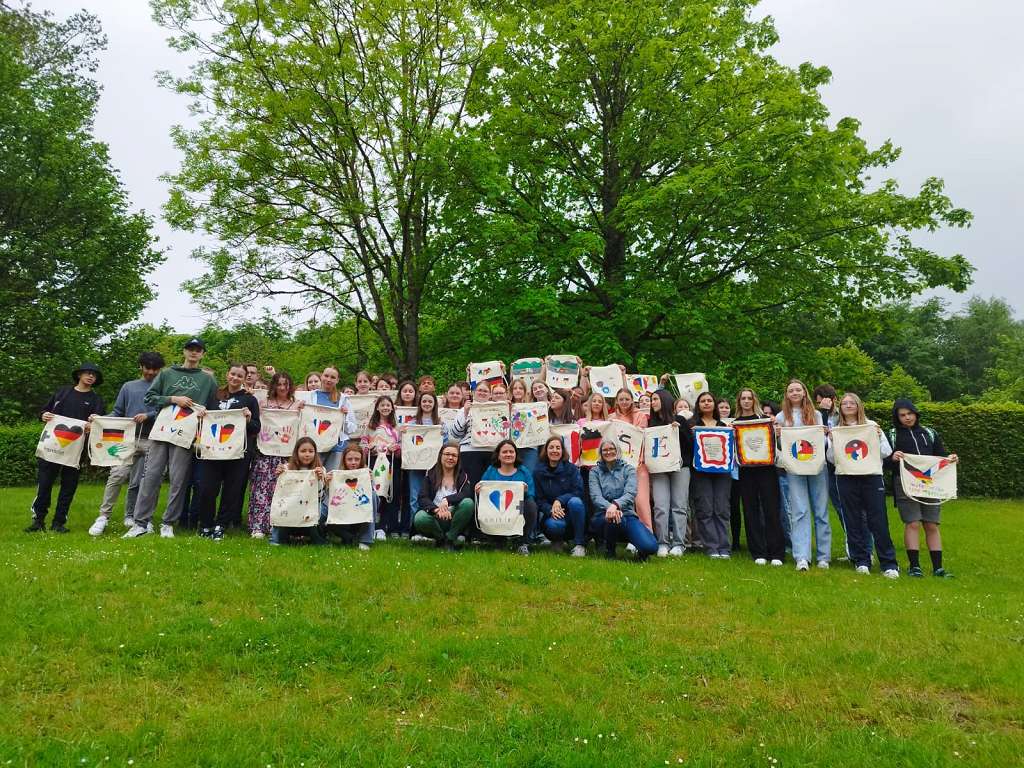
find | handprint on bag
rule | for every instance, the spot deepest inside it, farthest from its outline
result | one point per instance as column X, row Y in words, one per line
column 286, row 434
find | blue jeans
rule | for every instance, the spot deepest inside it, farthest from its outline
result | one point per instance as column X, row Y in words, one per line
column 574, row 522
column 630, row 529
column 415, row 478
column 808, row 498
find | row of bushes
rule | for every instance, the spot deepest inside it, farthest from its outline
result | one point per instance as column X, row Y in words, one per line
column 991, row 462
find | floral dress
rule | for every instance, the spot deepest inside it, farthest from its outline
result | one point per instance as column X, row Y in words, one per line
column 263, row 479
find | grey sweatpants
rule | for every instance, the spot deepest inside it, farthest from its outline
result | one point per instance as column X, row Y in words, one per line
column 670, row 497
column 178, row 464
column 711, row 496
column 129, row 473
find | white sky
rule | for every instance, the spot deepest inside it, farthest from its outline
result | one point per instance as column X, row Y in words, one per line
column 938, row 77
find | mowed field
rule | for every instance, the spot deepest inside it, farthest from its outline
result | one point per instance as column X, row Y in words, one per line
column 187, row 652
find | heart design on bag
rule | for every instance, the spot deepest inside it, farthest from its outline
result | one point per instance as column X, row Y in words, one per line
column 495, row 499
column 321, row 425
column 352, row 482
column 66, row 435
column 181, row 412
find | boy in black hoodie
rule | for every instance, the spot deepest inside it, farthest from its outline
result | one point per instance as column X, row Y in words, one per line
column 908, row 436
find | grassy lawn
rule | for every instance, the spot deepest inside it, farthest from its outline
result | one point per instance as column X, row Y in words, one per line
column 184, row 652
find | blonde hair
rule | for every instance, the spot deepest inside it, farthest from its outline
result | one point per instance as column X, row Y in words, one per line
column 806, row 407
column 861, row 417
column 588, row 412
column 757, row 402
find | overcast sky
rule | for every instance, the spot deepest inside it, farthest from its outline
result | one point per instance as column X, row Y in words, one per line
column 938, row 77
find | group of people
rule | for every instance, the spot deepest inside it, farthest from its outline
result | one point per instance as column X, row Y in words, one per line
column 654, row 513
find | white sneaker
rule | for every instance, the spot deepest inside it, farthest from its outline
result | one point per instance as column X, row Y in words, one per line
column 892, row 573
column 724, row 556
column 166, row 531
column 776, row 562
column 129, row 522
column 760, row 561
column 150, row 528
column 663, row 550
column 417, row 538
column 97, row 528
column 631, row 549
column 823, row 564
column 379, row 535
column 135, row 531
column 863, row 569
column 578, row 551
column 802, row 565
column 676, row 551
column 364, row 547
column 257, row 535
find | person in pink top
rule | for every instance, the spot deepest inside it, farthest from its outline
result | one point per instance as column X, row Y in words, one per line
column 626, row 411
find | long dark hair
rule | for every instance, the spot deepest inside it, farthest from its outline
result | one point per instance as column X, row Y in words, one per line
column 293, row 462
column 276, row 379
column 667, row 413
column 436, row 473
column 542, row 457
column 496, row 462
column 420, row 413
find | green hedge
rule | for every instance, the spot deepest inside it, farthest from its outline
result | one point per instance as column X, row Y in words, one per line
column 990, row 464
column 980, row 434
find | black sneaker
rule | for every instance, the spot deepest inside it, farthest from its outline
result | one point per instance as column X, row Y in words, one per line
column 59, row 528
column 915, row 571
column 206, row 533
column 942, row 573
column 37, row 525
column 218, row 534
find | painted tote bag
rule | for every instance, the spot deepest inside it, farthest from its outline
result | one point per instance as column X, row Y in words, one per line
column 690, row 385
column 177, row 425
column 928, row 479
column 639, row 384
column 279, row 429
column 322, row 423
column 362, row 410
column 563, row 371
column 629, row 439
column 497, row 508
column 62, row 441
column 296, row 501
column 857, row 450
column 606, row 380
column 591, row 434
column 447, row 417
column 529, row 426
column 714, row 449
column 404, row 415
column 349, row 497
column 802, row 449
column 661, row 449
column 381, row 474
column 572, row 441
column 420, row 446
column 528, row 369
column 222, row 435
column 489, row 372
column 490, row 424
column 112, row 441
column 755, row 442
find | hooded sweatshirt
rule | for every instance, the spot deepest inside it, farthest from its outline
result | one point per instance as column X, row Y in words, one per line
column 917, row 439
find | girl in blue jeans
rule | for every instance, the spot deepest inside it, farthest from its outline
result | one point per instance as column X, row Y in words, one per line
column 808, row 494
column 613, row 494
column 558, row 487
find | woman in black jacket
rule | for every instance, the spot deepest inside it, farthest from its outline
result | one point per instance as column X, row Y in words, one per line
column 446, row 500
column 558, row 486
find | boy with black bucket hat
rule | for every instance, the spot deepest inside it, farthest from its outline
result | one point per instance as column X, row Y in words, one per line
column 79, row 401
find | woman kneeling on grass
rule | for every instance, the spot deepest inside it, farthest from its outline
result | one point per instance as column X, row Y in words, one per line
column 559, row 488
column 445, row 504
column 613, row 494
column 862, row 500
column 303, row 457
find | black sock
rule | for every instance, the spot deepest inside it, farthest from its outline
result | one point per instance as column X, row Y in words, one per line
column 936, row 555
column 914, row 555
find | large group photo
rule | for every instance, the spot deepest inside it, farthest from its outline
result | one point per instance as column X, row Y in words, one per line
column 554, row 383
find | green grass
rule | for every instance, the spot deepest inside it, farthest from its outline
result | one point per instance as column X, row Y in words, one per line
column 188, row 653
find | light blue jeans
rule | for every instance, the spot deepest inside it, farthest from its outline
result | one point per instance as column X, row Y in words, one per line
column 808, row 497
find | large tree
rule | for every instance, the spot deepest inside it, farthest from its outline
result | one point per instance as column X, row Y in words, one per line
column 684, row 191
column 323, row 157
column 74, row 256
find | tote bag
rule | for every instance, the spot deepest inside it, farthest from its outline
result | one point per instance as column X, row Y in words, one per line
column 928, row 479
column 497, row 508
column 857, row 450
column 177, row 425
column 640, row 384
column 279, row 429
column 755, row 442
column 690, row 385
column 661, row 449
column 591, row 434
column 350, row 497
column 529, row 425
column 628, row 439
column 296, row 502
column 490, row 424
column 802, row 449
column 222, row 435
column 404, row 415
column 606, row 380
column 563, row 371
column 62, row 441
column 572, row 443
column 714, row 449
column 362, row 410
column 323, row 424
column 420, row 446
column 528, row 369
column 112, row 441
column 490, row 371
column 381, row 475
